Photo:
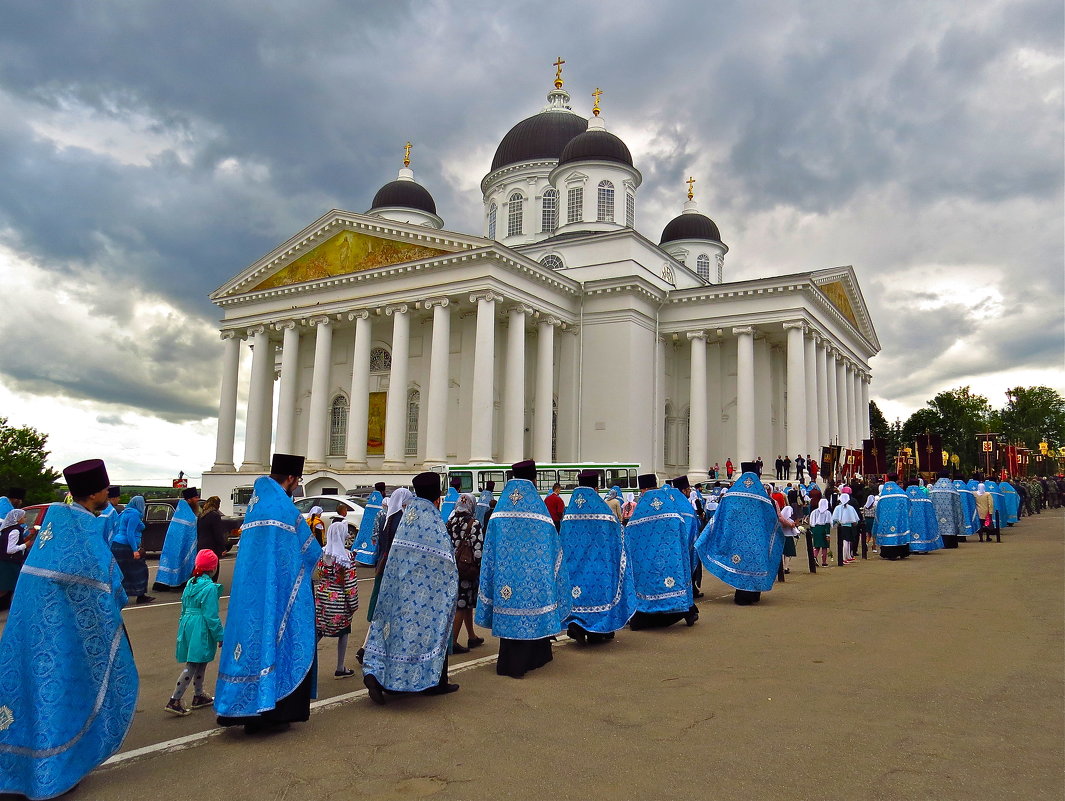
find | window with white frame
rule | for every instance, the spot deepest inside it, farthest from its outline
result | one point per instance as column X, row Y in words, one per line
column 575, row 204
column 630, row 210
column 552, row 262
column 492, row 221
column 605, row 202
column 338, row 426
column 702, row 266
column 514, row 215
column 549, row 215
column 414, row 402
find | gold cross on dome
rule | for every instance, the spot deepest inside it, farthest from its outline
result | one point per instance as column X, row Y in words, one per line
column 406, row 154
column 558, row 72
column 690, row 182
column 596, row 94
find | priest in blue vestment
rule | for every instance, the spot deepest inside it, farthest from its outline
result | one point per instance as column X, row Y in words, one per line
column 108, row 517
column 946, row 506
column 924, row 528
column 406, row 651
column 891, row 523
column 68, row 683
column 524, row 592
column 365, row 545
column 448, row 506
column 744, row 543
column 999, row 517
column 968, row 508
column 267, row 668
column 593, row 541
column 178, row 557
column 661, row 553
column 680, row 490
column 1011, row 502
column 484, row 502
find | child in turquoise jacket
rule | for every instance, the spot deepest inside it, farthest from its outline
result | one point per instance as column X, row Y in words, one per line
column 199, row 632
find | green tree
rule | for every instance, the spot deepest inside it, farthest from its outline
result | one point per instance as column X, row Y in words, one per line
column 1033, row 415
column 962, row 415
column 878, row 424
column 23, row 463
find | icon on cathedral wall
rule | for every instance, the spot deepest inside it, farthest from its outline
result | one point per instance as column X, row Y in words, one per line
column 375, row 424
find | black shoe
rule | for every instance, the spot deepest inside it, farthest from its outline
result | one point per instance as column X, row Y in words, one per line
column 374, row 688
column 459, row 649
column 360, row 654
column 346, row 673
column 691, row 616
column 441, row 689
column 697, row 594
column 473, row 642
column 145, row 599
column 575, row 632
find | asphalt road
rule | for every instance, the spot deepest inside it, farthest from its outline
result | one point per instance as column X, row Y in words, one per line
column 940, row 677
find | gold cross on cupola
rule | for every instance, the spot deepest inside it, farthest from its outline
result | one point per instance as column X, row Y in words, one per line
column 558, row 72
column 406, row 154
column 596, row 94
column 691, row 192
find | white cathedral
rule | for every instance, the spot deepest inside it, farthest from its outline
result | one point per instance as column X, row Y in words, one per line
column 388, row 344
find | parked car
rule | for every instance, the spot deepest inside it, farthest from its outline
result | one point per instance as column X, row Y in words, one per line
column 329, row 508
column 159, row 512
column 34, row 514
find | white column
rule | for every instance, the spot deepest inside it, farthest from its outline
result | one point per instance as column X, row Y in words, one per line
column 396, row 402
column 659, row 422
column 852, row 418
column 763, row 401
column 436, row 396
column 810, row 390
column 359, row 408
column 514, row 386
column 798, row 383
column 287, row 394
column 823, row 434
column 318, row 417
column 567, row 394
column 744, row 394
column 545, row 389
column 697, row 440
column 262, row 357
column 841, row 399
column 864, row 417
column 265, row 449
column 856, row 386
column 227, row 403
column 833, row 408
column 484, row 357
column 714, row 380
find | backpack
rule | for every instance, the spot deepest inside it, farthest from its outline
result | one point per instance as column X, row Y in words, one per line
column 469, row 570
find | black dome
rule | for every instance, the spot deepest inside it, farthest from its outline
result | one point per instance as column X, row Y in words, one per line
column 690, row 226
column 542, row 136
column 405, row 194
column 596, row 146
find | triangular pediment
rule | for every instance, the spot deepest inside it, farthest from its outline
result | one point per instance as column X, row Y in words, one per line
column 343, row 243
column 840, row 288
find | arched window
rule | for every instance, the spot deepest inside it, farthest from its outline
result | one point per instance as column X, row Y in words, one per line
column 549, row 217
column 338, row 426
column 667, row 432
column 514, row 215
column 380, row 360
column 552, row 262
column 414, row 402
column 575, row 204
column 605, row 204
column 702, row 266
column 492, row 221
column 630, row 210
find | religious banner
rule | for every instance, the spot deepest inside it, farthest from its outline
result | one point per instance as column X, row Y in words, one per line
column 929, row 452
column 988, row 457
column 375, row 424
column 829, row 461
column 874, row 459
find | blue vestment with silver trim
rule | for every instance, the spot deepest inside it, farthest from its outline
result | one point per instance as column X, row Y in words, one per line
column 5, row 506
column 891, row 525
column 415, row 609
column 660, row 549
column 744, row 542
column 1011, row 501
column 484, row 503
column 924, row 528
column 968, row 507
column 108, row 520
column 179, row 548
column 447, row 506
column 269, row 643
column 601, row 584
column 691, row 521
column 365, row 543
column 524, row 591
column 946, row 506
column 68, row 683
column 1000, row 503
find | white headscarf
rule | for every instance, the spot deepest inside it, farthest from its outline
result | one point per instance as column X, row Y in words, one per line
column 821, row 516
column 13, row 518
column 787, row 513
column 334, row 550
column 398, row 499
column 316, row 510
column 981, row 489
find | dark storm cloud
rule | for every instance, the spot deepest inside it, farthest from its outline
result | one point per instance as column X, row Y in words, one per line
column 257, row 118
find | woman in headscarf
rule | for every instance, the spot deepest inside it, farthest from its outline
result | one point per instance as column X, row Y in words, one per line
column 14, row 545
column 211, row 531
column 846, row 517
column 467, row 538
column 791, row 533
column 821, row 527
column 314, row 520
column 126, row 548
column 336, row 590
column 628, row 507
column 396, row 502
column 985, row 511
column 613, row 500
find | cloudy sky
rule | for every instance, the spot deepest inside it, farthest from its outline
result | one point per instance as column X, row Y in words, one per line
column 151, row 150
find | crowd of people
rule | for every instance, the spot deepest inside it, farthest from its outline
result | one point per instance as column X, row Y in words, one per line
column 526, row 568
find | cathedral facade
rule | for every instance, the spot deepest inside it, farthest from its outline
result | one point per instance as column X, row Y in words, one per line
column 382, row 344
